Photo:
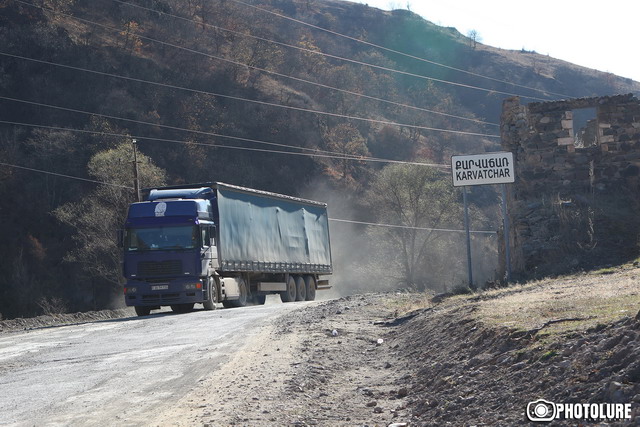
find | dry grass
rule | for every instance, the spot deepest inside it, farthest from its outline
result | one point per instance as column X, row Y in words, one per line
column 574, row 302
column 554, row 306
column 403, row 303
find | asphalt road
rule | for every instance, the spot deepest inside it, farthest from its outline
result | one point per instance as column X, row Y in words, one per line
column 118, row 372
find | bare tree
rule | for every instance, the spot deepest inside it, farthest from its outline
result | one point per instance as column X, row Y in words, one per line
column 96, row 218
column 346, row 140
column 414, row 197
column 475, row 38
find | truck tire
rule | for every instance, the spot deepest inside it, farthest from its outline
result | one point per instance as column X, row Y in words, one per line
column 310, row 286
column 182, row 308
column 212, row 294
column 290, row 294
column 142, row 311
column 301, row 290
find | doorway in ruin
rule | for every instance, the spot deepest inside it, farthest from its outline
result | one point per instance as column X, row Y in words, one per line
column 585, row 127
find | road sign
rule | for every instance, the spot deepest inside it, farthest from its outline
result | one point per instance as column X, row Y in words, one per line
column 481, row 169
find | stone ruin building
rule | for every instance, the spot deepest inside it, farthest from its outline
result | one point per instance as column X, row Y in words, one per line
column 575, row 203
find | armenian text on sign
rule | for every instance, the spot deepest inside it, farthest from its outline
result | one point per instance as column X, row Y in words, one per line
column 482, row 169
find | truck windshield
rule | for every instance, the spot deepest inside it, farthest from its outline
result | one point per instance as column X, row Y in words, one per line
column 161, row 238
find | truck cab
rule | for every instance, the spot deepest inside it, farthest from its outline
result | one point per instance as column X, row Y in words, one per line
column 170, row 250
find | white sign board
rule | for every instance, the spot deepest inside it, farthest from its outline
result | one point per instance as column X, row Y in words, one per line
column 481, row 169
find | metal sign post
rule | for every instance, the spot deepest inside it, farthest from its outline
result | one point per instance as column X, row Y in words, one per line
column 466, row 228
column 484, row 169
column 505, row 226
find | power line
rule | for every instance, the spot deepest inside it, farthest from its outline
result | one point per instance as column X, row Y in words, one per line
column 353, row 61
column 237, row 63
column 231, row 147
column 338, row 155
column 237, row 138
column 65, row 176
column 446, row 230
column 395, row 51
column 330, row 219
column 237, row 98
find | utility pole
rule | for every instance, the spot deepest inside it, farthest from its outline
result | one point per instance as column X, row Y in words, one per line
column 136, row 181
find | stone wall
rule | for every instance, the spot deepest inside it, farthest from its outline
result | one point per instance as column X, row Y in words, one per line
column 575, row 202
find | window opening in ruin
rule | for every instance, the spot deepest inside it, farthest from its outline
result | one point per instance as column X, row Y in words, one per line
column 585, row 127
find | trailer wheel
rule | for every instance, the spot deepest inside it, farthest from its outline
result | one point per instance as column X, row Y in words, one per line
column 212, row 294
column 259, row 299
column 290, row 294
column 142, row 311
column 242, row 300
column 301, row 289
column 310, row 286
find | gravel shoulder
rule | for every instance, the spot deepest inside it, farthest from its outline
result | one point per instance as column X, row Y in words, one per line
column 328, row 364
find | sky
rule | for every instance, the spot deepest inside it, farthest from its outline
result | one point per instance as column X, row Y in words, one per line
column 603, row 35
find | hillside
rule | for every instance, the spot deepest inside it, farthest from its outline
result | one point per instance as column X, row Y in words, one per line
column 221, row 90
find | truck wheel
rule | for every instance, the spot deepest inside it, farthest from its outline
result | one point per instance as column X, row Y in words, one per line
column 212, row 294
column 310, row 286
column 142, row 311
column 301, row 290
column 290, row 294
column 182, row 308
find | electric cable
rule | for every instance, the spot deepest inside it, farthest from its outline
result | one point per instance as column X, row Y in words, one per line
column 263, row 70
column 237, row 98
column 447, row 230
column 353, row 61
column 231, row 147
column 330, row 219
column 107, row 116
column 65, row 176
column 393, row 50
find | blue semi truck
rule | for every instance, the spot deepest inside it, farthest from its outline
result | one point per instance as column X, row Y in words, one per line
column 219, row 243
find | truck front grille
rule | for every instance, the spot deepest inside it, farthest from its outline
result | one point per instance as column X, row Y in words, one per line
column 160, row 298
column 159, row 268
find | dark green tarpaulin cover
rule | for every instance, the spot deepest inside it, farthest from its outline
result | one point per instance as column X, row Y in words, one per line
column 264, row 231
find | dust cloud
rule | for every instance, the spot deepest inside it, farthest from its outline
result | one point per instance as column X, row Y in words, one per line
column 365, row 260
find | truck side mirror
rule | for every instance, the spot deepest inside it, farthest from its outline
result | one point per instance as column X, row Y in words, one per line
column 120, row 236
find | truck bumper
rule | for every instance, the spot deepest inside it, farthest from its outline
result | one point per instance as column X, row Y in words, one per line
column 178, row 291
